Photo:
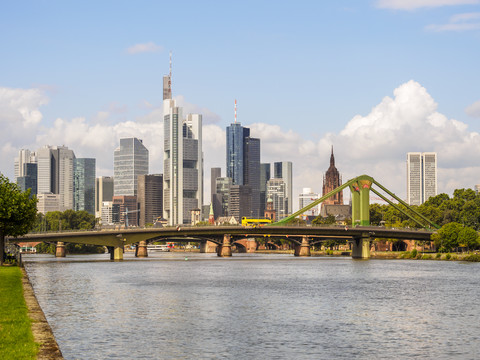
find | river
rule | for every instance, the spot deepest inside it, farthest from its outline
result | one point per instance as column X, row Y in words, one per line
column 258, row 306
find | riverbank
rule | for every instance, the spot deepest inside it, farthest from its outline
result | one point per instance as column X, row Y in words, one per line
column 42, row 332
column 17, row 340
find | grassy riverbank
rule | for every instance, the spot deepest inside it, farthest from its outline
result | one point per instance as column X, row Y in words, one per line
column 16, row 337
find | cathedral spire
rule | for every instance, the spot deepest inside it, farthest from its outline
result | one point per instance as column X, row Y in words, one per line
column 332, row 159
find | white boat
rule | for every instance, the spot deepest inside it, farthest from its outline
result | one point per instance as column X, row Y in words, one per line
column 158, row 248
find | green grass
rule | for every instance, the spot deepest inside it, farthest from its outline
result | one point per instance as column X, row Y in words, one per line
column 16, row 338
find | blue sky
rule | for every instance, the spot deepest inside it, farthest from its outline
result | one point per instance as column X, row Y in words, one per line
column 302, row 72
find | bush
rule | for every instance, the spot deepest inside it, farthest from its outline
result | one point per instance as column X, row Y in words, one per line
column 448, row 256
column 472, row 258
column 414, row 253
column 426, row 257
column 438, row 256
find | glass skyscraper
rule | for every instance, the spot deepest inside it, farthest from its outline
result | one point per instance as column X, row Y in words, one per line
column 130, row 159
column 421, row 177
column 84, row 185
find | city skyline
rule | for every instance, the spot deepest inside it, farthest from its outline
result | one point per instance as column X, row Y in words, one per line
column 370, row 78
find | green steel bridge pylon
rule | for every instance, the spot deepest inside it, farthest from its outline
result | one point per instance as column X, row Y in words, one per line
column 360, row 188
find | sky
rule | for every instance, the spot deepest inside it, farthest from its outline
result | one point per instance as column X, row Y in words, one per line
column 375, row 79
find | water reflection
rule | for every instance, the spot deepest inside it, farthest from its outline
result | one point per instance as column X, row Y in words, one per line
column 258, row 306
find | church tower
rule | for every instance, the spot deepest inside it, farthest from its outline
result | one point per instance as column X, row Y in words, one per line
column 331, row 181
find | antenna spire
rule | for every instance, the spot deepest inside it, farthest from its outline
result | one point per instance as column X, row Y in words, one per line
column 170, row 74
column 235, row 111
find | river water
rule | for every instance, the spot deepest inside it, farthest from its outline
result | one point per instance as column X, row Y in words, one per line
column 255, row 306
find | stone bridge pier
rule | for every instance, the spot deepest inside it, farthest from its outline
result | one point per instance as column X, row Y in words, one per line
column 303, row 249
column 225, row 249
column 141, row 250
column 361, row 247
column 60, row 250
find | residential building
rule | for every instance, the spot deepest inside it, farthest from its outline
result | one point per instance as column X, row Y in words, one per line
column 150, row 198
column 84, row 185
column 421, row 177
column 183, row 160
column 103, row 192
column 130, row 160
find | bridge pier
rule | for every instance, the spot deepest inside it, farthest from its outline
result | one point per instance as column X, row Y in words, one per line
column 60, row 250
column 304, row 248
column 361, row 247
column 225, row 249
column 116, row 253
column 141, row 250
column 208, row 247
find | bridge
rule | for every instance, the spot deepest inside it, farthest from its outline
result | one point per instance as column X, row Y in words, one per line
column 302, row 237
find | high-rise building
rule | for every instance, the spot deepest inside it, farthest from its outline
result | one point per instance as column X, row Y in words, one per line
column 243, row 163
column 130, row 160
column 421, row 177
column 125, row 208
column 264, row 177
column 29, row 178
column 25, row 156
column 276, row 191
column 222, row 195
column 84, row 185
column 55, row 168
column 283, row 170
column 215, row 200
column 103, row 192
column 182, row 160
column 150, row 198
column 331, row 180
column 306, row 198
column 240, row 202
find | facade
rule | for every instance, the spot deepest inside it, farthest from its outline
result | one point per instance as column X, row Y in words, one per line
column 221, row 197
column 283, row 170
column 84, row 185
column 107, row 213
column 103, row 192
column 252, row 172
column 276, row 191
column 236, row 135
column 306, row 198
column 29, row 178
column 150, row 198
column 25, row 156
column 240, row 202
column 264, row 177
column 127, row 210
column 55, row 171
column 331, row 181
column 48, row 202
column 130, row 160
column 183, row 161
column 421, row 177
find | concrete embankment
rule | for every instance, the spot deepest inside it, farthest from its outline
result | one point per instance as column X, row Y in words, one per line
column 42, row 332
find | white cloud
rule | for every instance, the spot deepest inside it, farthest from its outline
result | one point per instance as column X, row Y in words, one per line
column 459, row 22
column 474, row 109
column 144, row 48
column 416, row 4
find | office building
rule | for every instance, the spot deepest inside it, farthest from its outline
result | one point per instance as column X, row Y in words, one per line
column 125, row 209
column 150, row 198
column 264, row 177
column 130, row 160
column 55, row 170
column 84, row 185
column 103, row 192
column 240, row 202
column 221, row 197
column 252, row 173
column 306, row 198
column 283, row 170
column 421, row 177
column 25, row 156
column 276, row 191
column 48, row 202
column 183, row 160
column 29, row 178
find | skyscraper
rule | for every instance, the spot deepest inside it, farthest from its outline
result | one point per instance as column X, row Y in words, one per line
column 306, row 198
column 276, row 191
column 55, row 166
column 25, row 156
column 264, row 177
column 182, row 160
column 29, row 178
column 130, row 160
column 103, row 192
column 236, row 135
column 283, row 170
column 150, row 198
column 84, row 185
column 421, row 177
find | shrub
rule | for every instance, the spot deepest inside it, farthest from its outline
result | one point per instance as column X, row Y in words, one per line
column 438, row 256
column 414, row 253
column 448, row 256
column 426, row 257
column 472, row 258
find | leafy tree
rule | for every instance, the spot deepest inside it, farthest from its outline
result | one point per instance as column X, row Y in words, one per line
column 446, row 238
column 17, row 212
column 319, row 220
column 468, row 237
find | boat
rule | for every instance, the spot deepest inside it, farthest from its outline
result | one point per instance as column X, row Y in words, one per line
column 158, row 248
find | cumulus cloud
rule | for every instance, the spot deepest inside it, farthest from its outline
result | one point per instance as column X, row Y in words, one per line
column 375, row 144
column 144, row 48
column 415, row 4
column 474, row 109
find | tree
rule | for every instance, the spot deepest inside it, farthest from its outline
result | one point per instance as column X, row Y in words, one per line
column 468, row 237
column 18, row 212
column 446, row 239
